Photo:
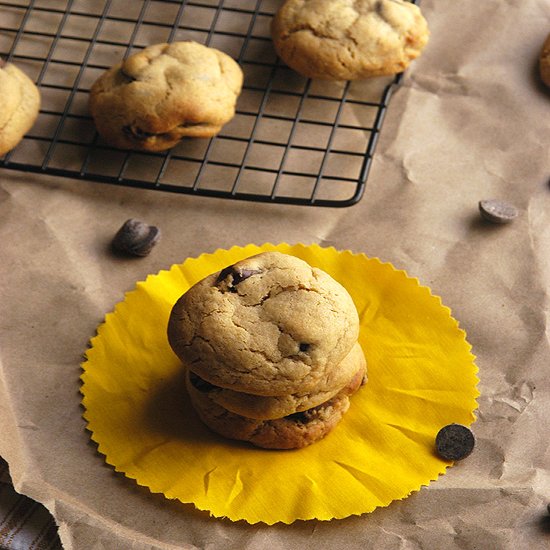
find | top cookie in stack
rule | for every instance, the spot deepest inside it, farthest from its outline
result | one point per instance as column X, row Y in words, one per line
column 270, row 344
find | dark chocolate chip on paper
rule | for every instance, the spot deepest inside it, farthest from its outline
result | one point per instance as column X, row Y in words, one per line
column 454, row 442
column 136, row 238
column 496, row 211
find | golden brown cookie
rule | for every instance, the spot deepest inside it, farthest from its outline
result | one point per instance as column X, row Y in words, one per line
column 291, row 432
column 348, row 39
column 20, row 101
column 270, row 408
column 268, row 325
column 544, row 62
column 164, row 93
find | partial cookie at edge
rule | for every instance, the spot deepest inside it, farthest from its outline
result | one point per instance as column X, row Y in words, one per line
column 544, row 62
column 20, row 105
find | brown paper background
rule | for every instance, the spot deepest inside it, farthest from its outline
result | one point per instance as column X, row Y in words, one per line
column 470, row 122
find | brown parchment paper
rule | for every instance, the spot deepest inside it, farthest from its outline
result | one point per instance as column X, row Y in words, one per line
column 470, row 122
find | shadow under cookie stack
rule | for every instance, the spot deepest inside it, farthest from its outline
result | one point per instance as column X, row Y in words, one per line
column 270, row 350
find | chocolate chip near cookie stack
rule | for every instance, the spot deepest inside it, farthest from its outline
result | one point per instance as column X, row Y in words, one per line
column 271, row 352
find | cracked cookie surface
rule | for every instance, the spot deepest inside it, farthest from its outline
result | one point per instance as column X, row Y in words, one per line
column 20, row 105
column 290, row 432
column 163, row 93
column 348, row 39
column 270, row 408
column 269, row 325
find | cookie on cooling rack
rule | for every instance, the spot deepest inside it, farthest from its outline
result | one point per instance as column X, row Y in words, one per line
column 164, row 93
column 20, row 100
column 348, row 40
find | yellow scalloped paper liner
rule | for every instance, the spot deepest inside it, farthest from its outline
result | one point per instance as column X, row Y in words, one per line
column 422, row 376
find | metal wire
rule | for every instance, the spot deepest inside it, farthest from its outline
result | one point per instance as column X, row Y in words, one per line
column 328, row 132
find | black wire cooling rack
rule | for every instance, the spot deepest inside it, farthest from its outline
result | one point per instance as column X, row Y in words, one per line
column 293, row 140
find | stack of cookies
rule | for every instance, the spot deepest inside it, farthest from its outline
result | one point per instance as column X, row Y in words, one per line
column 270, row 347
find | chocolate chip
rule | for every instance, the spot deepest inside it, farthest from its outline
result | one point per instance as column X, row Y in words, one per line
column 129, row 77
column 304, row 347
column 240, row 276
column 137, row 133
column 190, row 124
column 233, row 276
column 2, row 63
column 301, row 417
column 224, row 273
column 496, row 211
column 454, row 442
column 201, row 385
column 136, row 238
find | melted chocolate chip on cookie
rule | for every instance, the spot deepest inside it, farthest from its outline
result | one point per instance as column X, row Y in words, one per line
column 137, row 133
column 233, row 276
column 301, row 417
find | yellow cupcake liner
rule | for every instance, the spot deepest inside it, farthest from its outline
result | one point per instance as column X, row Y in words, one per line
column 422, row 376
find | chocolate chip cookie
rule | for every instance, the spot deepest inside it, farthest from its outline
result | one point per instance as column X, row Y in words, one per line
column 271, row 408
column 348, row 39
column 269, row 325
column 20, row 100
column 163, row 93
column 290, row 432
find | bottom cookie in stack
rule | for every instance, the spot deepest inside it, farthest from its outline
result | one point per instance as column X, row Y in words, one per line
column 256, row 422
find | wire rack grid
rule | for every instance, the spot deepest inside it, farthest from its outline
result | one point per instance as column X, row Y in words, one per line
column 292, row 140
